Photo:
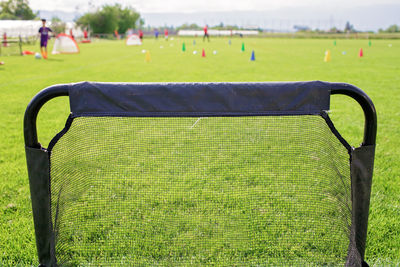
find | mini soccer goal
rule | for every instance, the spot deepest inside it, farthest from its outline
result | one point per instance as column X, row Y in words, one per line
column 65, row 44
column 179, row 174
column 133, row 39
column 11, row 47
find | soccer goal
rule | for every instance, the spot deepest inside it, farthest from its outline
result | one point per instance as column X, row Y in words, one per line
column 11, row 47
column 65, row 44
column 133, row 39
column 182, row 174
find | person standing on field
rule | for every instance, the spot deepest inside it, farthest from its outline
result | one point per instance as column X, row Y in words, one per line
column 166, row 34
column 44, row 37
column 4, row 39
column 205, row 29
column 71, row 34
column 141, row 35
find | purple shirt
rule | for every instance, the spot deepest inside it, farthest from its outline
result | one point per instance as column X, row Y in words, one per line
column 44, row 33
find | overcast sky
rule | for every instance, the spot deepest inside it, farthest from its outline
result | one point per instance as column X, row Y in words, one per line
column 150, row 6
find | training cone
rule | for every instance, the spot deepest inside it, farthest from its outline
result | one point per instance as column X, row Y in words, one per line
column 230, row 42
column 369, row 43
column 334, row 43
column 194, row 42
column 327, row 57
column 183, row 47
column 242, row 47
column 253, row 57
column 203, row 53
column 147, row 57
column 361, row 53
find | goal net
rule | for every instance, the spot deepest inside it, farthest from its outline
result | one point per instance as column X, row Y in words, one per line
column 65, row 44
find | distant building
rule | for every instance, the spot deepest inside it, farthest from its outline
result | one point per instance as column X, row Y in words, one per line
column 28, row 28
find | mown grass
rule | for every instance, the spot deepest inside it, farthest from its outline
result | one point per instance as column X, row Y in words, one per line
column 377, row 73
column 229, row 191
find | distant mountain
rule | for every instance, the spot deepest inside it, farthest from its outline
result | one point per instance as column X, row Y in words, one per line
column 363, row 18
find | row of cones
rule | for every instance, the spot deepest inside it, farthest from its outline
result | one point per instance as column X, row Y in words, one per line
column 252, row 57
column 327, row 57
column 194, row 42
column 369, row 43
column 203, row 53
column 148, row 57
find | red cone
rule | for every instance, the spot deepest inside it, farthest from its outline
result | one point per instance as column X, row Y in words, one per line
column 203, row 53
column 361, row 54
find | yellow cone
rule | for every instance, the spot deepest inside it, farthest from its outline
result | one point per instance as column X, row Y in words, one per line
column 327, row 56
column 148, row 58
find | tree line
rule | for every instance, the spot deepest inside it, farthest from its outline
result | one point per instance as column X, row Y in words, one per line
column 109, row 18
column 106, row 19
column 16, row 9
column 391, row 29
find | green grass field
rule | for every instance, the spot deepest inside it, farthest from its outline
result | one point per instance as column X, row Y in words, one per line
column 377, row 73
column 221, row 193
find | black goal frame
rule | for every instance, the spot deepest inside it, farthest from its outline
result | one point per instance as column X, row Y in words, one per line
column 361, row 165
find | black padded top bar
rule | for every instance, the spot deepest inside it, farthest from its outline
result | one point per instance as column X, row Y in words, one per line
column 158, row 99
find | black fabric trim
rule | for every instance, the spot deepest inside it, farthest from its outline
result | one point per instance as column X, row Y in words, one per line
column 39, row 183
column 191, row 114
column 329, row 122
column 362, row 165
column 277, row 98
column 61, row 133
column 364, row 264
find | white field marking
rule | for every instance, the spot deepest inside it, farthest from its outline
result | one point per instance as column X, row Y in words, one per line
column 196, row 123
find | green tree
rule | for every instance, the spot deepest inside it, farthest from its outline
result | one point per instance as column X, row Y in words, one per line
column 349, row 27
column 186, row 26
column 57, row 25
column 393, row 28
column 128, row 18
column 110, row 18
column 16, row 9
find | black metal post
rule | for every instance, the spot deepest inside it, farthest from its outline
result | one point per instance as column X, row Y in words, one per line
column 30, row 131
column 370, row 125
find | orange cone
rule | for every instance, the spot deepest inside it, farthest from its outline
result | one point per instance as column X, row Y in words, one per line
column 203, row 53
column 361, row 54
